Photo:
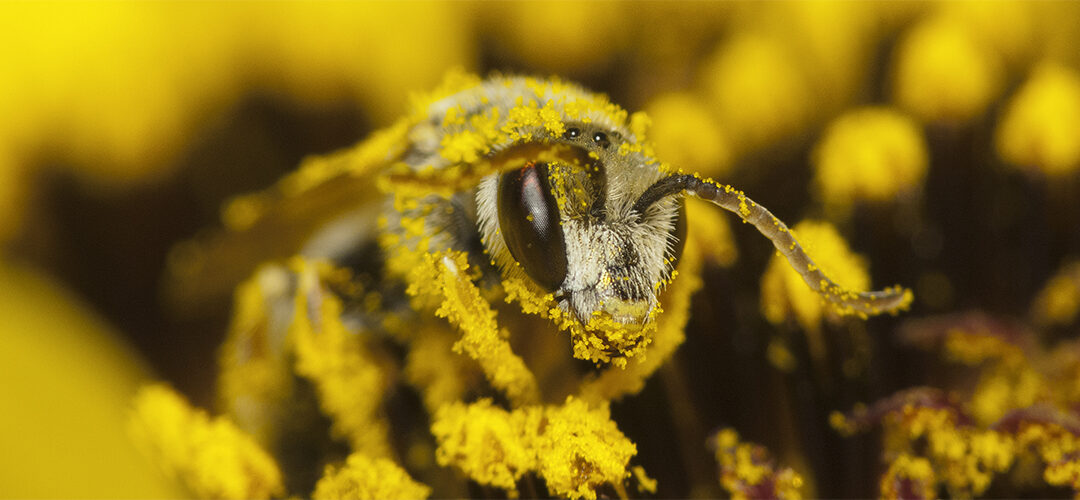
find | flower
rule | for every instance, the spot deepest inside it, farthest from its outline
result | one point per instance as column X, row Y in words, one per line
column 831, row 43
column 1040, row 130
column 909, row 477
column 442, row 374
column 1058, row 303
column 784, row 294
column 349, row 378
column 336, row 360
column 688, row 136
column 213, row 457
column 942, row 74
column 1020, row 411
column 114, row 93
column 872, row 154
column 1014, row 372
column 484, row 441
column 747, row 471
column 68, row 382
column 579, row 37
column 1008, row 28
column 464, row 307
column 101, row 83
column 307, row 336
column 13, row 191
column 756, row 91
column 962, row 457
column 575, row 448
column 362, row 477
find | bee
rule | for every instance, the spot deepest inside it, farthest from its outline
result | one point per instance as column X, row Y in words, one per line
column 533, row 189
column 550, row 190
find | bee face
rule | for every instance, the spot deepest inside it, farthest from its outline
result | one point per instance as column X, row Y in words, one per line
column 618, row 265
column 572, row 227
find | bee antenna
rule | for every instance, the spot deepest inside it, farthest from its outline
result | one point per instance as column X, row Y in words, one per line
column 889, row 300
column 668, row 186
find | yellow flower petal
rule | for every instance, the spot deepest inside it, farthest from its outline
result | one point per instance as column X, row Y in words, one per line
column 870, row 154
column 67, row 385
column 756, row 90
column 366, row 478
column 785, row 295
column 687, row 136
column 1041, row 126
column 348, row 379
column 943, row 74
column 210, row 455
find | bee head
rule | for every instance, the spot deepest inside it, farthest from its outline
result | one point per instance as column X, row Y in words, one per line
column 578, row 226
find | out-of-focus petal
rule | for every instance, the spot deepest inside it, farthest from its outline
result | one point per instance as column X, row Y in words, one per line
column 756, row 90
column 942, row 74
column 67, row 386
column 1041, row 126
column 870, row 154
column 687, row 136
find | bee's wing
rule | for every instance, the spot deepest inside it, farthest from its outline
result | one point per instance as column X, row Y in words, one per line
column 301, row 213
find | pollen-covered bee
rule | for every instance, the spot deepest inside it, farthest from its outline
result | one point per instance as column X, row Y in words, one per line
column 546, row 189
column 530, row 192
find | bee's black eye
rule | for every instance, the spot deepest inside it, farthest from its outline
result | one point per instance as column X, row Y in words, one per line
column 529, row 222
column 572, row 133
column 601, row 140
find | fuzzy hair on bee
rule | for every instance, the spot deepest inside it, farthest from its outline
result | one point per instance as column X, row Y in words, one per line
column 548, row 189
column 571, row 226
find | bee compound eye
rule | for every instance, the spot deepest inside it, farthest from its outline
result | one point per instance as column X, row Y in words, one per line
column 529, row 222
column 572, row 133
